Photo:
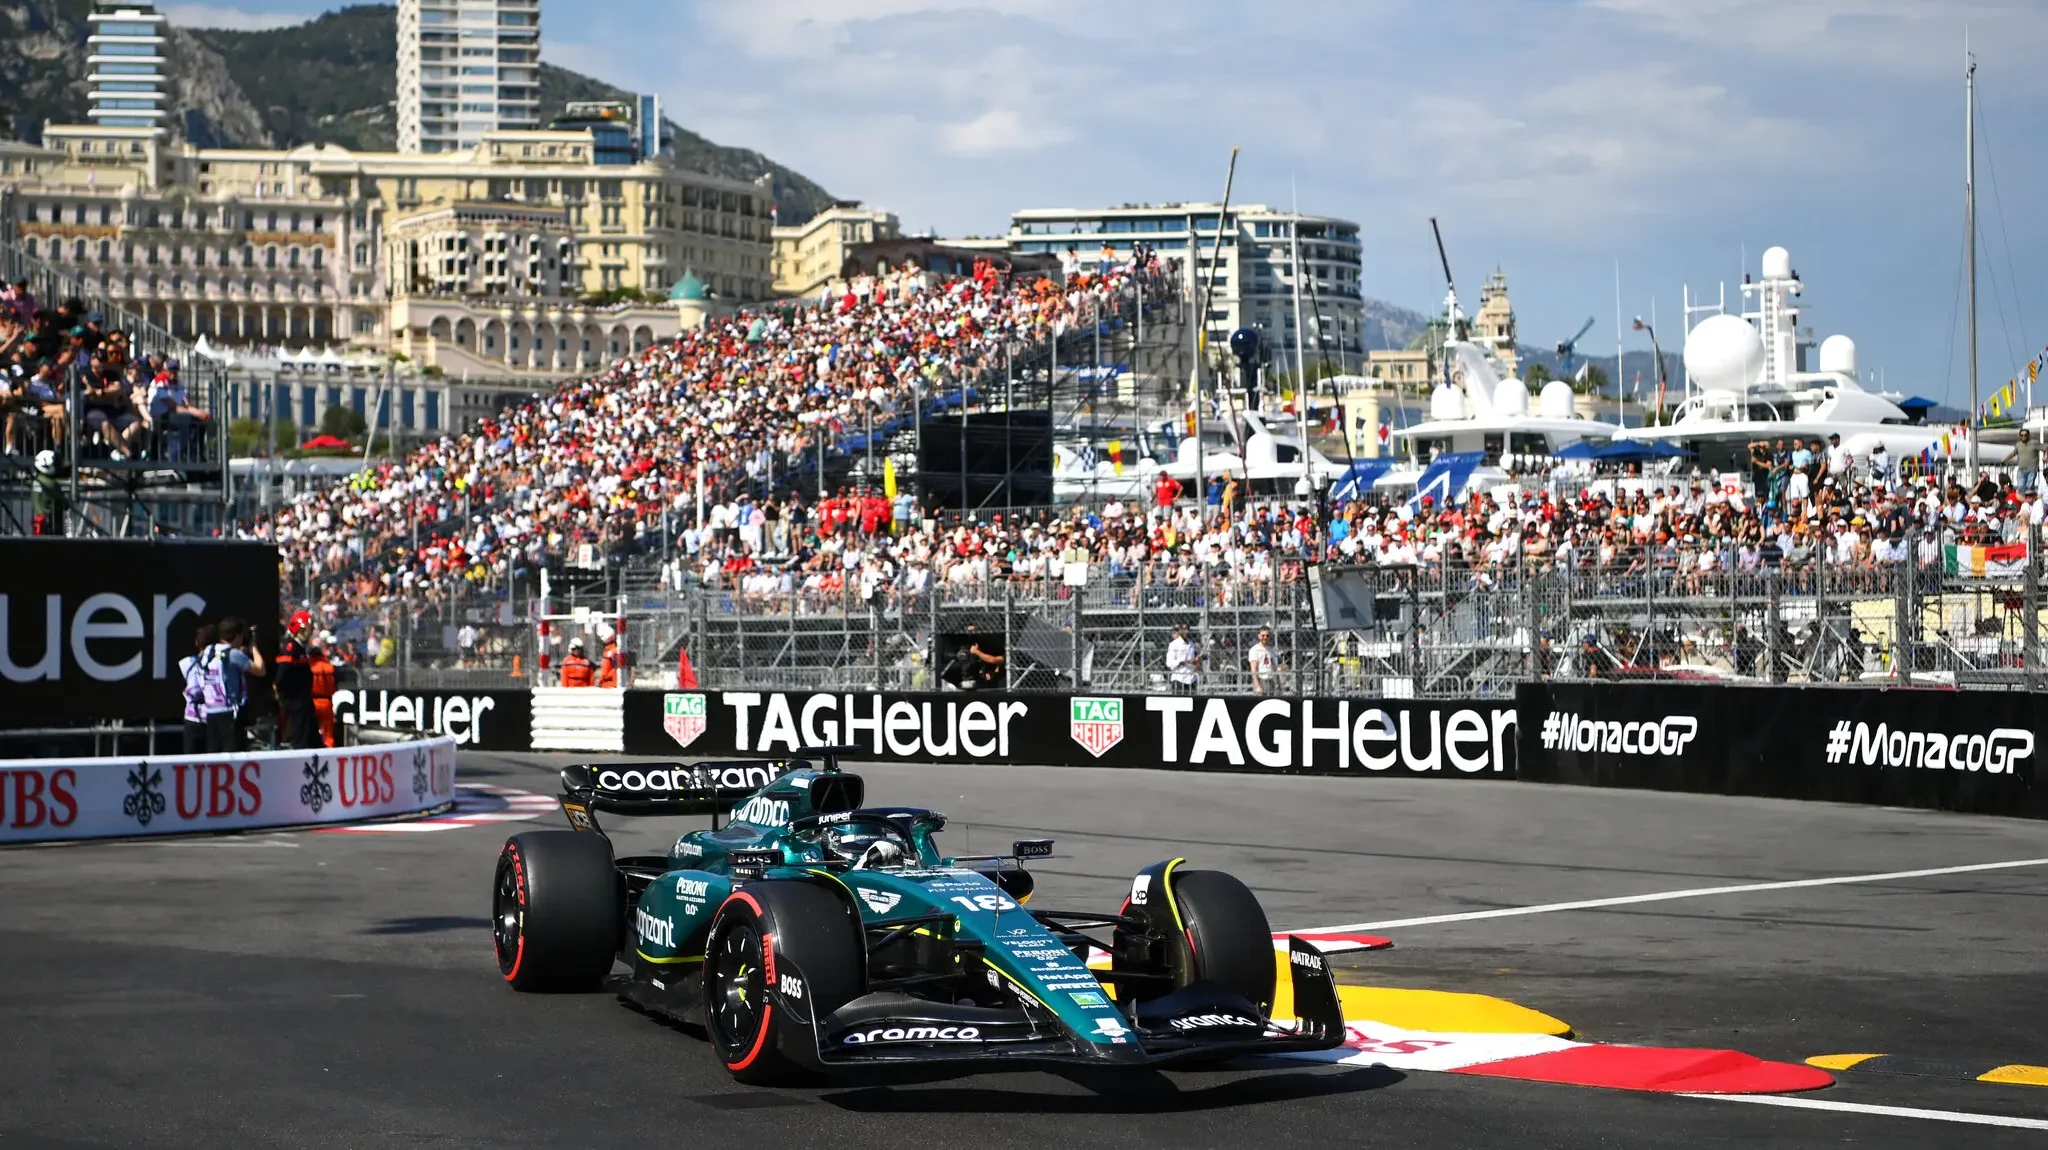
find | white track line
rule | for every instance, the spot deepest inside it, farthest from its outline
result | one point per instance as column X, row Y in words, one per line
column 1669, row 895
column 1879, row 1111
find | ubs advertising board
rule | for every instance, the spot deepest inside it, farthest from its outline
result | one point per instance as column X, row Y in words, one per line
column 1391, row 738
column 1973, row 751
column 94, row 628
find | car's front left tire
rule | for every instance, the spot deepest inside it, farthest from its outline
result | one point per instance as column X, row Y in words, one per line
column 556, row 911
column 778, row 955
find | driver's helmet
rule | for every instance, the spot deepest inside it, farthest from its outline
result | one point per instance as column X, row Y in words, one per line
column 866, row 844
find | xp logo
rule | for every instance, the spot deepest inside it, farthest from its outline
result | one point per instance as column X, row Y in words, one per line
column 1096, row 724
column 656, row 931
column 684, row 716
column 762, row 812
column 913, row 1034
column 317, row 792
column 145, row 801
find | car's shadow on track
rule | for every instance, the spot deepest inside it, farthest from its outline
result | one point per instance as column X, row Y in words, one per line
column 1115, row 1092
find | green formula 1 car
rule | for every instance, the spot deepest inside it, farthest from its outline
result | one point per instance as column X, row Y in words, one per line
column 811, row 933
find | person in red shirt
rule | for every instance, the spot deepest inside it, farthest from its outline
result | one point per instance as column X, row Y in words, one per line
column 1165, row 490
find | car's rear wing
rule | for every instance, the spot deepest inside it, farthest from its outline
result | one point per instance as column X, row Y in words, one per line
column 661, row 789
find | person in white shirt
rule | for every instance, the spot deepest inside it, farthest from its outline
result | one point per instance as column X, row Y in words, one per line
column 1183, row 661
column 1264, row 667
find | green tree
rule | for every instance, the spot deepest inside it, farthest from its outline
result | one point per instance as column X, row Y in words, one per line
column 343, row 422
column 1595, row 381
column 1537, row 374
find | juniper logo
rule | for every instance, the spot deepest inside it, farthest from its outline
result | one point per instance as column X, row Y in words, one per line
column 1096, row 724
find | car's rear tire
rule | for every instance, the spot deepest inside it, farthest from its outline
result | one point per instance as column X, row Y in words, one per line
column 556, row 911
column 809, row 939
column 1226, row 940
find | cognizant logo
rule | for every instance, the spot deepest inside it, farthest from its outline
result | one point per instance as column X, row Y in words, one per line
column 1860, row 744
column 1566, row 731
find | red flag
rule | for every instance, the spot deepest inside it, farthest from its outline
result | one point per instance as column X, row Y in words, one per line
column 686, row 675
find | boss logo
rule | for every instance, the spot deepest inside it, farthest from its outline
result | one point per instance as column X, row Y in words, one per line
column 792, row 987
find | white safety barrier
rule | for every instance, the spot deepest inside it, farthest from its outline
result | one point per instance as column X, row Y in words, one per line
column 46, row 800
column 579, row 719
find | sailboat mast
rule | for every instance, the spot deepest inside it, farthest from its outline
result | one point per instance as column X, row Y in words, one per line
column 1300, row 347
column 1970, row 234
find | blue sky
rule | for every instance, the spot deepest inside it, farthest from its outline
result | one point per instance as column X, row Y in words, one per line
column 1550, row 137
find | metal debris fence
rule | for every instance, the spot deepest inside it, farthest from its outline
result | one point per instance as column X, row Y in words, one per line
column 1443, row 629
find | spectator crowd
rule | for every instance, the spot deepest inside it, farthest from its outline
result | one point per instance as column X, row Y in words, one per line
column 705, row 449
column 63, row 373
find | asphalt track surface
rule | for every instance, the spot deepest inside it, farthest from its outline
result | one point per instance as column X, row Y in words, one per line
column 336, row 990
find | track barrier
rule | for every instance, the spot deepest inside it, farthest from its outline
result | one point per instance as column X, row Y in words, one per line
column 578, row 719
column 50, row 800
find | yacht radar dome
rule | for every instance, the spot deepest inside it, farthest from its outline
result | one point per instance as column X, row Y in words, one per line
column 1838, row 355
column 1723, row 352
column 1556, row 400
column 1777, row 264
column 1511, row 397
column 1447, row 403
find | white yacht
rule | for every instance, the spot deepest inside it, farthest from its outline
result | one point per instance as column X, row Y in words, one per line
column 1746, row 383
column 1477, row 410
column 1273, row 458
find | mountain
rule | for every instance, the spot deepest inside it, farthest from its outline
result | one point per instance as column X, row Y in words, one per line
column 329, row 80
column 1389, row 326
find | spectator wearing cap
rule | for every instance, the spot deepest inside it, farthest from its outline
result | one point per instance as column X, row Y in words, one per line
column 178, row 424
column 609, row 660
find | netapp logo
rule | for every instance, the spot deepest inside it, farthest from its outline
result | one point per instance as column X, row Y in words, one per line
column 913, row 1034
column 459, row 717
column 928, row 729
column 1565, row 731
column 1418, row 737
column 1860, row 744
column 96, row 624
column 686, row 779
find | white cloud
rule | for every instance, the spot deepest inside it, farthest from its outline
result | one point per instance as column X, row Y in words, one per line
column 1001, row 130
column 231, row 19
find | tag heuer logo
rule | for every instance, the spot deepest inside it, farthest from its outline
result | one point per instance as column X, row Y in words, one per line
column 1096, row 724
column 682, row 716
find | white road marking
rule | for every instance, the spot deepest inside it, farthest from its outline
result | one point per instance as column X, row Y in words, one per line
column 1879, row 1111
column 1668, row 896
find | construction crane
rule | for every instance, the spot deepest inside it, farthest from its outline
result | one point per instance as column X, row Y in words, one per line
column 1568, row 351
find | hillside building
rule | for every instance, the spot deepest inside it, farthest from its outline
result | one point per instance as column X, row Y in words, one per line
column 809, row 255
column 521, row 257
column 1250, row 262
column 466, row 68
column 125, row 66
